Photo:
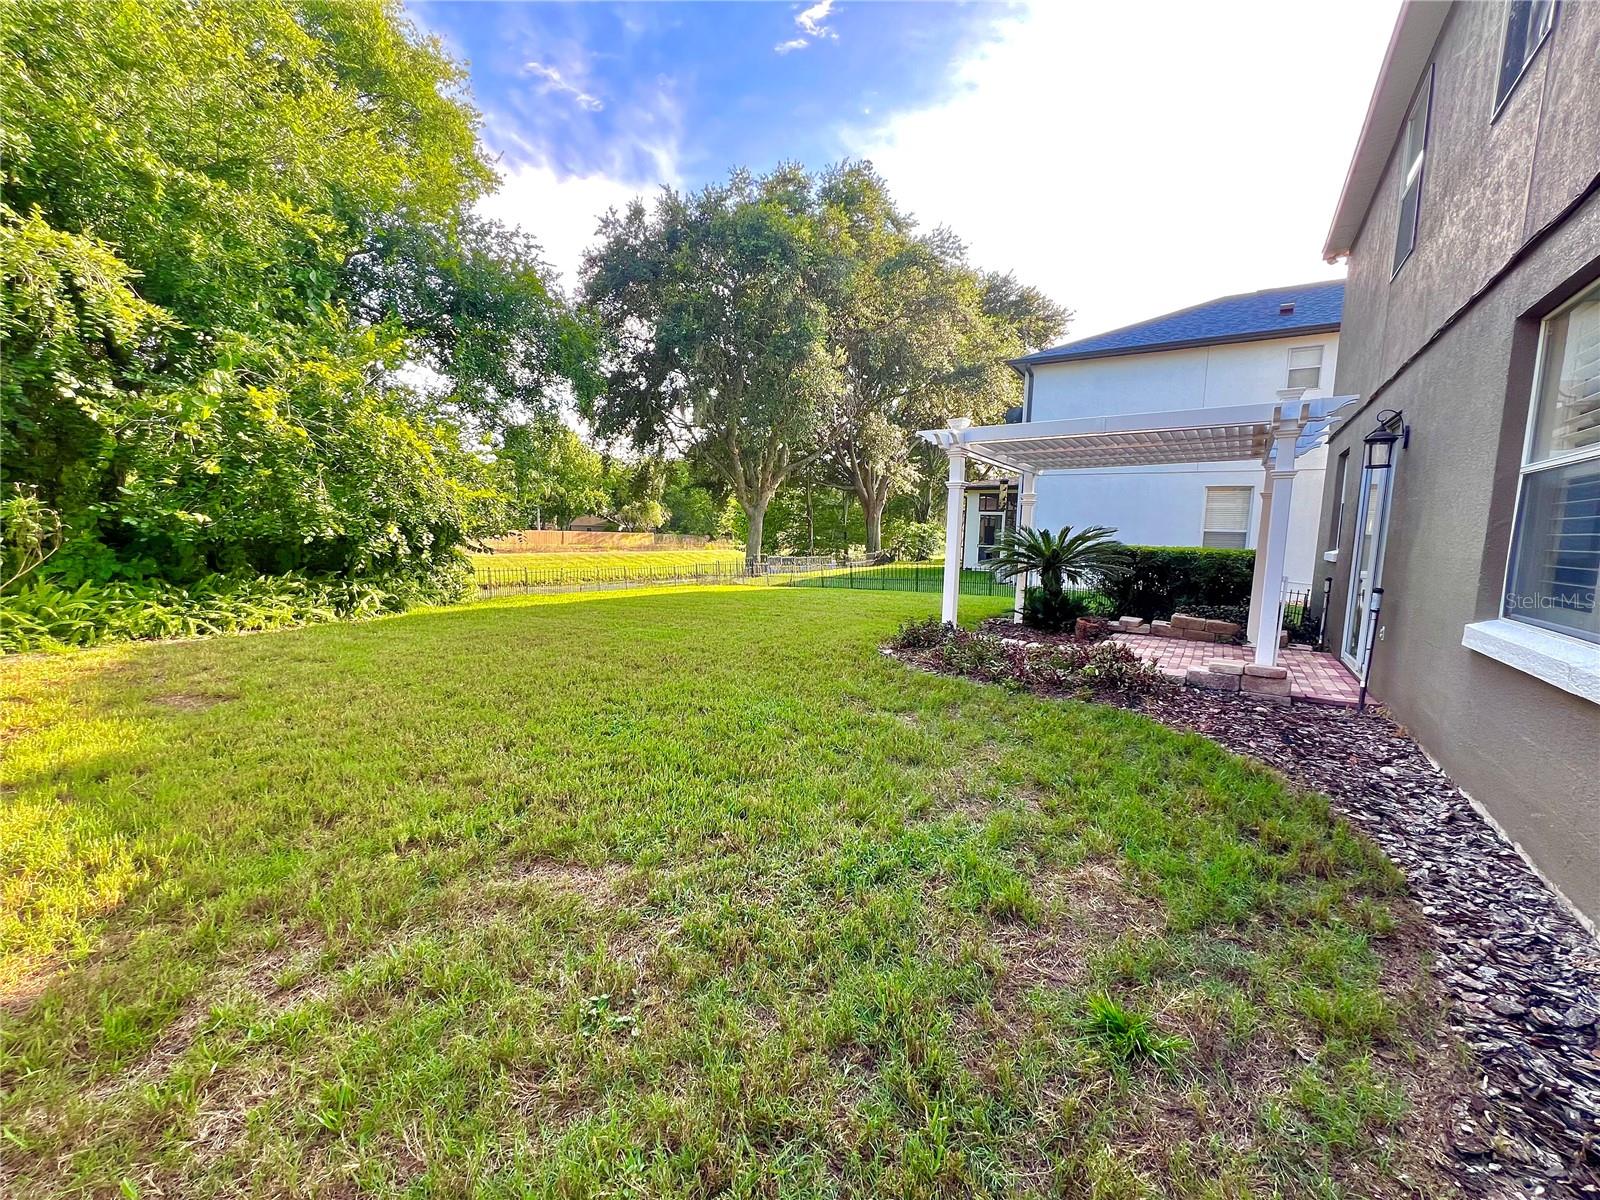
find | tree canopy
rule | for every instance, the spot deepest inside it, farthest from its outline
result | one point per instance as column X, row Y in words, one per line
column 718, row 327
column 237, row 247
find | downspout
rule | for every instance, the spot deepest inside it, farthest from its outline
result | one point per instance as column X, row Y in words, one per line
column 1027, row 394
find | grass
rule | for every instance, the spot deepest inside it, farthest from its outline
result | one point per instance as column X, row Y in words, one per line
column 582, row 566
column 674, row 894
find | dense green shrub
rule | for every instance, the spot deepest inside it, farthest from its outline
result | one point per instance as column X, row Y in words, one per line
column 918, row 541
column 42, row 615
column 1162, row 580
column 1052, row 614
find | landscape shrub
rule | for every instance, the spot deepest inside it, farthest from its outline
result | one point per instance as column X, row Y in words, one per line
column 1084, row 666
column 1051, row 615
column 920, row 635
column 918, row 541
column 47, row 615
column 1162, row 580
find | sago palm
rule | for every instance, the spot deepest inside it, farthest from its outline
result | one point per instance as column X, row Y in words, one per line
column 1059, row 559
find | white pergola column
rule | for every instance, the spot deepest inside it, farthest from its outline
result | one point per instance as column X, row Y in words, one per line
column 1026, row 500
column 1267, row 597
column 1258, row 576
column 954, row 520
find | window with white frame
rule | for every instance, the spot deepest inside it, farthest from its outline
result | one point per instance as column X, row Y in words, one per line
column 1555, row 552
column 1528, row 23
column 1227, row 518
column 1305, row 367
column 1413, row 147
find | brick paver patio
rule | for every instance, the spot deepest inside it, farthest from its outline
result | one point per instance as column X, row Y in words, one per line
column 1319, row 678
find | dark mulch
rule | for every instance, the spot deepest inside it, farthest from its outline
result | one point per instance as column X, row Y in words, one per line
column 1521, row 972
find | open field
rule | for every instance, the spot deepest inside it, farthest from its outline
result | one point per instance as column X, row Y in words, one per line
column 581, row 565
column 675, row 894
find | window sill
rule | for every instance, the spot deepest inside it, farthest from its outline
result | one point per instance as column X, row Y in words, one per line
column 1560, row 661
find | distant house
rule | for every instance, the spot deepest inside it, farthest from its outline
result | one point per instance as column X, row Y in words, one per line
column 1467, row 571
column 590, row 524
column 1226, row 352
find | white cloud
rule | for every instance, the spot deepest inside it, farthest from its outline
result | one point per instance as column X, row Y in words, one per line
column 554, row 81
column 1130, row 172
column 810, row 23
column 562, row 211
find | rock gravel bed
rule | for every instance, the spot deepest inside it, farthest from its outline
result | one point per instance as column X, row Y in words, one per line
column 1522, row 973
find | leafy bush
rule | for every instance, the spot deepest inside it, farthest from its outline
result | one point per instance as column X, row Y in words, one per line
column 1098, row 666
column 1052, row 614
column 1071, row 666
column 920, row 635
column 45, row 615
column 918, row 541
column 1162, row 580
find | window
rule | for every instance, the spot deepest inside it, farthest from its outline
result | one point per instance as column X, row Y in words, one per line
column 1305, row 367
column 1413, row 144
column 1555, row 551
column 1227, row 517
column 1340, row 471
column 1528, row 23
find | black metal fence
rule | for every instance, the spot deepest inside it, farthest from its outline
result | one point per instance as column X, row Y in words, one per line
column 861, row 576
column 1296, row 605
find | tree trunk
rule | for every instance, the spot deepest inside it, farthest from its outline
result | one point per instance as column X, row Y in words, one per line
column 844, row 523
column 756, row 516
column 872, row 510
column 811, row 523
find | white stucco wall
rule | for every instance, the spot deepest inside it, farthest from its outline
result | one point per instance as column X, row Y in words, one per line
column 1164, row 506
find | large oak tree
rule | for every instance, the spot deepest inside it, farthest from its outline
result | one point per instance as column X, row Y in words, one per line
column 714, row 304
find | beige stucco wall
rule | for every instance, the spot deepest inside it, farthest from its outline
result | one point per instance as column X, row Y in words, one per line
column 1451, row 344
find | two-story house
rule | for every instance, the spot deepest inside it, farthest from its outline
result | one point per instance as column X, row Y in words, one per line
column 1462, row 512
column 1228, row 351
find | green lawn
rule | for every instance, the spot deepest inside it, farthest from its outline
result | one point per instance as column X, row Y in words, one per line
column 674, row 894
column 582, row 566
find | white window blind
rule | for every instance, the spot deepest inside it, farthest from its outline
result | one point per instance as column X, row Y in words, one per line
column 1555, row 556
column 1305, row 367
column 1227, row 517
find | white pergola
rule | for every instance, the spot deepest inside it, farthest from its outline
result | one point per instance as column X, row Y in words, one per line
column 1270, row 434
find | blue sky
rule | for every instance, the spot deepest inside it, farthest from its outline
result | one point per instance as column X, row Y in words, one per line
column 1126, row 166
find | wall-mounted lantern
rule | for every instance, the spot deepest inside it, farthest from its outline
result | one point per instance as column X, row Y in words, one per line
column 1381, row 441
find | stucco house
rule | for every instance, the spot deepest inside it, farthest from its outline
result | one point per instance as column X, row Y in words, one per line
column 1224, row 352
column 1464, row 572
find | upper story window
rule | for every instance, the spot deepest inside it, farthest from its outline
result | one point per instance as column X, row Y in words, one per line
column 1227, row 517
column 1305, row 367
column 1413, row 146
column 1528, row 23
column 1555, row 552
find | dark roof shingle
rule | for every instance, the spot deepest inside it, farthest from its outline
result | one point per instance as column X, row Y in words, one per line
column 1249, row 317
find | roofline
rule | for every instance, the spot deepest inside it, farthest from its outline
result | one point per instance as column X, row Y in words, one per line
column 1270, row 335
column 1416, row 31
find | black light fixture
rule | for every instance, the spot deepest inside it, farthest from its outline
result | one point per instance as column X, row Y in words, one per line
column 1380, row 442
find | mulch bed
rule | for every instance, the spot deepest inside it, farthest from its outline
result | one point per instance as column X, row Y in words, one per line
column 1521, row 972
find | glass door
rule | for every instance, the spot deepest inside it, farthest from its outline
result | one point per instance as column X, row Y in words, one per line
column 1366, row 571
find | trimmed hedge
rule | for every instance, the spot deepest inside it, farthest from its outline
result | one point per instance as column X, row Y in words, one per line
column 1162, row 580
